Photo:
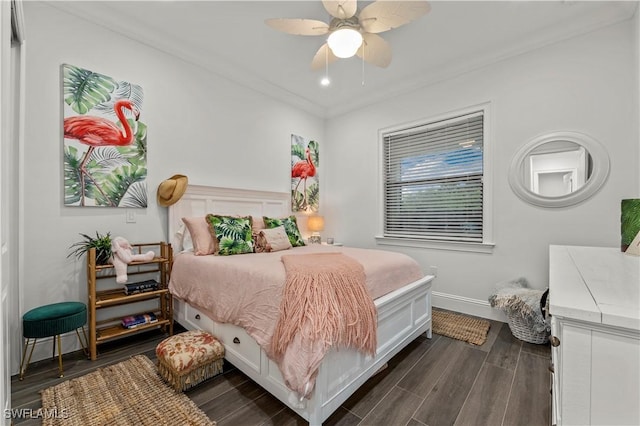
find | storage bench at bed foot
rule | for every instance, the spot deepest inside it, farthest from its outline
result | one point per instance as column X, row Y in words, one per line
column 238, row 344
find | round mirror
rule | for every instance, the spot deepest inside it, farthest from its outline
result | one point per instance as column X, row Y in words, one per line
column 559, row 169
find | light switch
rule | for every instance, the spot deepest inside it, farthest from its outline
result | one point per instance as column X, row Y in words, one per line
column 131, row 216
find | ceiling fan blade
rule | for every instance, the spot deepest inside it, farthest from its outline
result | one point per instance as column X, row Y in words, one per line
column 298, row 26
column 320, row 59
column 341, row 9
column 388, row 14
column 375, row 50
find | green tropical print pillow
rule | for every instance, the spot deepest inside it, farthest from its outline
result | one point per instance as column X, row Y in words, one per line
column 233, row 234
column 290, row 226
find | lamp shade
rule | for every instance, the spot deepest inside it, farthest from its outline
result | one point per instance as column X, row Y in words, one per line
column 315, row 223
column 345, row 42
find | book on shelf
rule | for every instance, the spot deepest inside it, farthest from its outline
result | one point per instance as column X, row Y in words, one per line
column 134, row 321
column 141, row 287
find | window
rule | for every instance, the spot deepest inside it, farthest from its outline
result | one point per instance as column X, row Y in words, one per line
column 434, row 181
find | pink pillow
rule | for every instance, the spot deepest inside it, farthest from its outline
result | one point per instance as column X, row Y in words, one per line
column 203, row 241
column 257, row 224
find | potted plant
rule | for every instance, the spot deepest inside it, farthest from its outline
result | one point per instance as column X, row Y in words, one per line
column 102, row 244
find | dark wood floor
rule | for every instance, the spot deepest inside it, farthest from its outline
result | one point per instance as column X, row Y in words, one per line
column 433, row 382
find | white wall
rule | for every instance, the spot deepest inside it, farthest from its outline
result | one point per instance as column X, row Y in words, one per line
column 222, row 134
column 583, row 84
column 201, row 125
column 636, row 20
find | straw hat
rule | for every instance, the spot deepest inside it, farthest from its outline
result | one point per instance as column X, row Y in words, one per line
column 170, row 190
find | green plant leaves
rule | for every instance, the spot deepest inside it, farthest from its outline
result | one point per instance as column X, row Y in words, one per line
column 297, row 200
column 84, row 89
column 313, row 195
column 121, row 176
column 629, row 220
column 71, row 175
column 124, row 90
column 231, row 246
column 297, row 151
column 117, row 184
column 314, row 150
column 290, row 226
column 102, row 244
column 233, row 234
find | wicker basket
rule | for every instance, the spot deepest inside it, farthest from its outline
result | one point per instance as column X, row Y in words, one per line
column 523, row 331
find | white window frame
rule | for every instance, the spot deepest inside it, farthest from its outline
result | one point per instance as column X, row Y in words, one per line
column 487, row 244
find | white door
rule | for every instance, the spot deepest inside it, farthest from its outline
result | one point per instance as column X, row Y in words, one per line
column 5, row 103
column 11, row 62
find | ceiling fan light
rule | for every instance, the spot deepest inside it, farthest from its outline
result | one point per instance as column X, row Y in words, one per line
column 345, row 42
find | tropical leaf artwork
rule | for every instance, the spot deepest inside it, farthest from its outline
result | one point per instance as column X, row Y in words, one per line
column 629, row 221
column 305, row 186
column 105, row 141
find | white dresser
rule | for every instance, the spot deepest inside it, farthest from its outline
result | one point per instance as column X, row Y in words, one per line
column 594, row 302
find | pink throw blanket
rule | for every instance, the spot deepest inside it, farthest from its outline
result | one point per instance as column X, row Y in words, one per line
column 325, row 303
column 247, row 291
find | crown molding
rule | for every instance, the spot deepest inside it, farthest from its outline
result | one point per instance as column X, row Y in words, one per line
column 456, row 69
column 224, row 67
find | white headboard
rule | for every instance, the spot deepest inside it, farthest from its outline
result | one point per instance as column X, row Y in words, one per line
column 199, row 200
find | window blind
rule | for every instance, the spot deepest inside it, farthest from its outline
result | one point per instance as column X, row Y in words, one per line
column 433, row 186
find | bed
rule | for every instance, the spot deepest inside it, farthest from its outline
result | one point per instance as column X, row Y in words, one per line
column 403, row 313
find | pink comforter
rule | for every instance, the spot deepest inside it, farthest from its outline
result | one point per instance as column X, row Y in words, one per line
column 246, row 290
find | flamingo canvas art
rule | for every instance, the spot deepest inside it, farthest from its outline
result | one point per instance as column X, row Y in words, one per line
column 305, row 190
column 105, row 141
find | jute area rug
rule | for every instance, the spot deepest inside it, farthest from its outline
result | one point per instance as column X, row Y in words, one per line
column 460, row 327
column 127, row 393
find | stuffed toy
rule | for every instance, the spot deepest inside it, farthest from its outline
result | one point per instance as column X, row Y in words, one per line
column 122, row 255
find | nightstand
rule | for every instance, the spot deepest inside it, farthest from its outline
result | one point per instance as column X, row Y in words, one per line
column 334, row 244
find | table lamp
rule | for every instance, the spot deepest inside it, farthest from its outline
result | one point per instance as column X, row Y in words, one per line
column 315, row 224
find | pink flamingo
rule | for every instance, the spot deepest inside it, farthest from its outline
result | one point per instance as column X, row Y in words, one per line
column 97, row 131
column 303, row 170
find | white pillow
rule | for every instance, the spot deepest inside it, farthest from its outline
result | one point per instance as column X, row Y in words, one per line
column 274, row 239
column 182, row 240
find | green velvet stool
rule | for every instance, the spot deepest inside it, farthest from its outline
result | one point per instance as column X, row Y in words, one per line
column 52, row 320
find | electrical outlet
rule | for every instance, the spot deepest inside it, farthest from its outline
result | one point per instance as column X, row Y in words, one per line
column 130, row 216
column 433, row 270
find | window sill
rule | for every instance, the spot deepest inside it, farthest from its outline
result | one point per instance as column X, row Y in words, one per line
column 433, row 244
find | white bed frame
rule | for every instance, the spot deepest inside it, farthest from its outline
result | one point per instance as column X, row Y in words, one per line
column 402, row 315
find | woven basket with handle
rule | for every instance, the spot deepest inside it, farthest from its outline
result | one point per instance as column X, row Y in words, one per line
column 523, row 331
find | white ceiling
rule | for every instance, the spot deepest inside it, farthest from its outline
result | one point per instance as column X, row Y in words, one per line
column 230, row 38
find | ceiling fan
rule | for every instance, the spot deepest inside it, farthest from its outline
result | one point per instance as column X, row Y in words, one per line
column 352, row 33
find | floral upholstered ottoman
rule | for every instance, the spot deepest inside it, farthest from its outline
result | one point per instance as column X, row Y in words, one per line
column 189, row 358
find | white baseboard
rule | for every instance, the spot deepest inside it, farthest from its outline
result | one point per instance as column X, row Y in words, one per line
column 466, row 305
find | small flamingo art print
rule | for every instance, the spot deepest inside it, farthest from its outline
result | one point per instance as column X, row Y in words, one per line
column 305, row 160
column 105, row 141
